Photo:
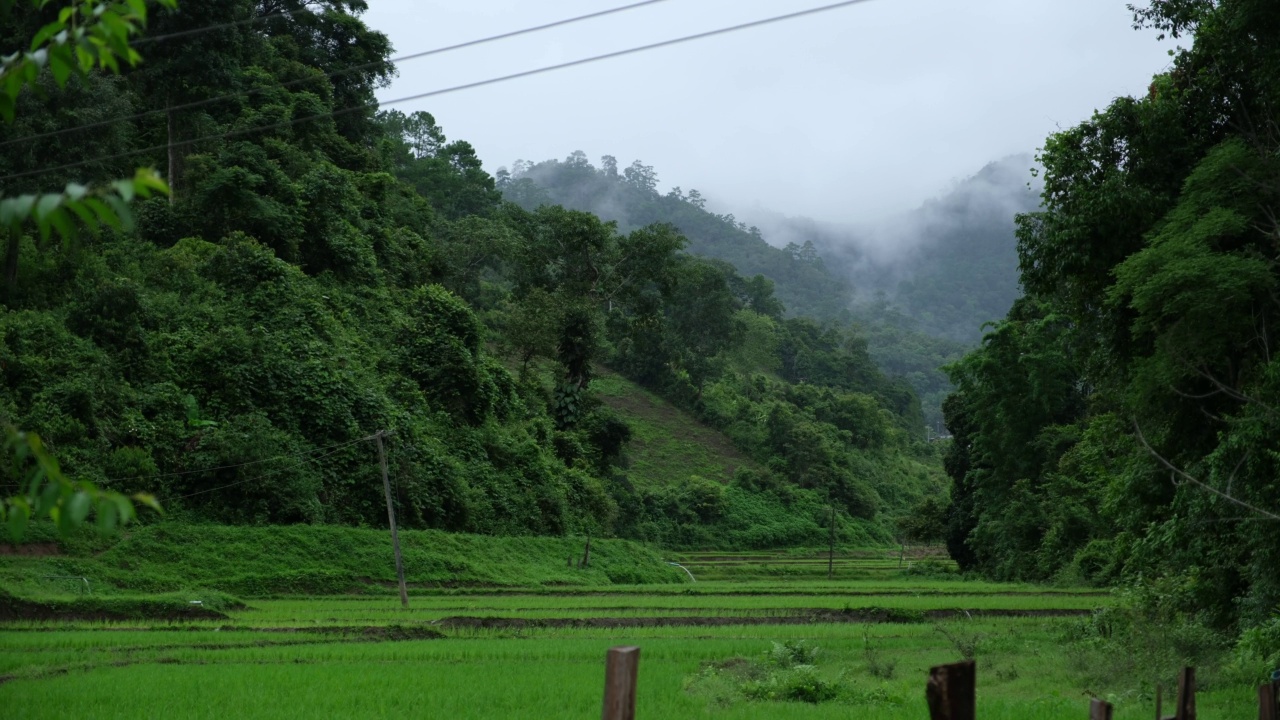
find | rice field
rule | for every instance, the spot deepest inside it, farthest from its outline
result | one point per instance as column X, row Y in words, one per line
column 538, row 651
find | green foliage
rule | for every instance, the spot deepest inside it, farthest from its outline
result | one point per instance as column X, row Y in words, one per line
column 927, row 521
column 60, row 211
column 309, row 284
column 165, row 607
column 1119, row 424
column 47, row 493
column 630, row 199
column 787, row 673
column 1257, row 651
column 85, row 35
column 449, row 175
column 1143, row 640
column 790, row 653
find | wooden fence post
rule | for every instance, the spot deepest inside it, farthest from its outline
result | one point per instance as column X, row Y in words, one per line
column 1185, row 709
column 620, row 670
column 1268, row 708
column 950, row 691
column 1100, row 710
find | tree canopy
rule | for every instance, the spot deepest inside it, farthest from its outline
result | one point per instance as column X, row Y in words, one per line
column 1118, row 422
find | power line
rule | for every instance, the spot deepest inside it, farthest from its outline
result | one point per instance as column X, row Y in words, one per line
column 332, row 450
column 444, row 91
column 336, row 73
column 209, row 28
column 334, row 447
column 266, row 474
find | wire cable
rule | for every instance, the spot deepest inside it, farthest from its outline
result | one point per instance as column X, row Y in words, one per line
column 263, row 475
column 336, row 73
column 148, row 39
column 448, row 90
column 334, row 448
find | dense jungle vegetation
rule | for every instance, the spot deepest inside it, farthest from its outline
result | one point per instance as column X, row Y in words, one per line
column 1119, row 424
column 324, row 270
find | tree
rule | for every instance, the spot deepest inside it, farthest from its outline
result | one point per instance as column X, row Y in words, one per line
column 642, row 177
column 93, row 34
column 609, row 166
column 593, row 272
column 449, row 174
column 1127, row 401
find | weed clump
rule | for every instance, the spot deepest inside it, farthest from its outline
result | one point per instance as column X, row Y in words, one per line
column 877, row 664
column 786, row 672
column 966, row 643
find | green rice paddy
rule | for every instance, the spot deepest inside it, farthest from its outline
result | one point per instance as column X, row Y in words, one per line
column 537, row 651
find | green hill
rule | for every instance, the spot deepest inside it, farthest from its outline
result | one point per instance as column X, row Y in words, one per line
column 311, row 285
column 630, row 198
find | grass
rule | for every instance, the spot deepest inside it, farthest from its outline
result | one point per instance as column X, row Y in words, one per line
column 362, row 655
column 265, row 561
column 542, row 674
column 667, row 443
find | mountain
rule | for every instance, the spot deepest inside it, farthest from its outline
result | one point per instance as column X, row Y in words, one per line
column 917, row 287
column 948, row 266
column 630, row 199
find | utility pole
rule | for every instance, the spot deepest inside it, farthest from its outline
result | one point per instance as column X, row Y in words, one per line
column 831, row 548
column 391, row 518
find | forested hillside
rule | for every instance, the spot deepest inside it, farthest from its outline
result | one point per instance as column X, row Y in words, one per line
column 631, row 199
column 918, row 287
column 926, row 281
column 1118, row 424
column 949, row 265
column 324, row 271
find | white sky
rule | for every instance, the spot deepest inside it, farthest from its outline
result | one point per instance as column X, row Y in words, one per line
column 849, row 115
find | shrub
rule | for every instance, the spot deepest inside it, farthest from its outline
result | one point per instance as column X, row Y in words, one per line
column 800, row 683
column 930, row 568
column 790, row 653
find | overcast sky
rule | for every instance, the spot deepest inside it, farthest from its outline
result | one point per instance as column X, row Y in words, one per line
column 848, row 115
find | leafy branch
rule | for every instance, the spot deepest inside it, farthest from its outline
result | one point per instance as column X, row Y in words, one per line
column 108, row 205
column 1196, row 481
column 49, row 493
column 87, row 34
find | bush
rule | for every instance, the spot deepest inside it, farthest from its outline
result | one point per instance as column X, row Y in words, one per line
column 786, row 672
column 800, row 683
column 930, row 568
column 1139, row 641
column 1257, row 651
column 790, row 653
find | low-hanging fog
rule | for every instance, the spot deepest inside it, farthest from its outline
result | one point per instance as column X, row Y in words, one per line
column 850, row 116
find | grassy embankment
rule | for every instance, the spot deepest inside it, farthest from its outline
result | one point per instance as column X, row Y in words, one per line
column 686, row 468
column 317, row 560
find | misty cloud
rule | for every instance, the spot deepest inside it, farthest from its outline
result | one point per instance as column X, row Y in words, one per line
column 853, row 115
